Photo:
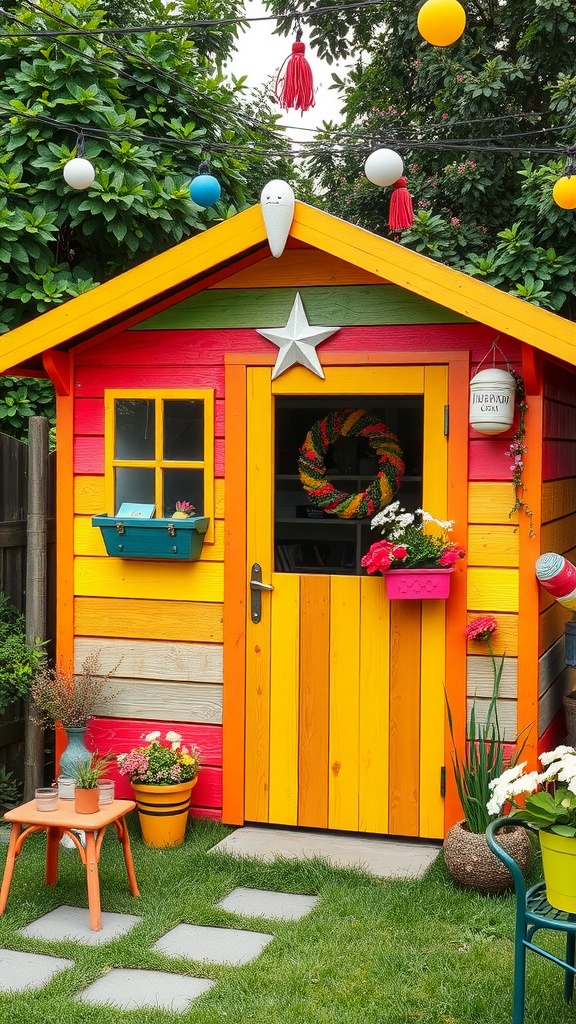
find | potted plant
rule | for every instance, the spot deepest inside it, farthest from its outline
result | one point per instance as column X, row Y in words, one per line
column 87, row 777
column 183, row 510
column 415, row 561
column 550, row 808
column 71, row 698
column 162, row 774
column 468, row 858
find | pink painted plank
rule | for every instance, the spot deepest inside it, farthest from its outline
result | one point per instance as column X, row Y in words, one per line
column 487, row 459
column 559, row 383
column 89, row 456
column 559, row 420
column 187, row 347
column 89, row 416
column 91, row 381
column 558, row 460
column 207, row 791
column 206, row 812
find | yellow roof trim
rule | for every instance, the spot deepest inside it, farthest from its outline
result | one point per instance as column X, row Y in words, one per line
column 196, row 256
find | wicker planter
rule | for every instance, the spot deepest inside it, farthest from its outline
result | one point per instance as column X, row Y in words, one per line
column 473, row 866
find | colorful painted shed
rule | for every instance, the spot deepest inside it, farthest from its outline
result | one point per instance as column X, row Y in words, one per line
column 319, row 702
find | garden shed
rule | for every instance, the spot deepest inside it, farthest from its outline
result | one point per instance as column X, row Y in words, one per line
column 195, row 377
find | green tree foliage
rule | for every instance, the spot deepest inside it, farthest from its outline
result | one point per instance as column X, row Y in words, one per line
column 22, row 397
column 18, row 661
column 152, row 106
column 508, row 83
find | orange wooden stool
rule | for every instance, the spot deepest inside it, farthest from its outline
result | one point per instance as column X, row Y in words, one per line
column 26, row 820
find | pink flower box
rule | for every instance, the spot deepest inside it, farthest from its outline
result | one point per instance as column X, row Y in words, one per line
column 417, row 584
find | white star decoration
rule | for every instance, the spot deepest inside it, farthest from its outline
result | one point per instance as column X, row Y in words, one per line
column 297, row 341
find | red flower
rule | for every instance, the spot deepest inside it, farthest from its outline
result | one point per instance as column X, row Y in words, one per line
column 378, row 558
column 481, row 628
column 451, row 556
column 399, row 551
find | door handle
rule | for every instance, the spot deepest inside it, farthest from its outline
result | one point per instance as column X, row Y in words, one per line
column 256, row 588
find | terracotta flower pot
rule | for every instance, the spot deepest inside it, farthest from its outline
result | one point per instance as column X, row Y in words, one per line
column 472, row 864
column 86, row 801
column 163, row 812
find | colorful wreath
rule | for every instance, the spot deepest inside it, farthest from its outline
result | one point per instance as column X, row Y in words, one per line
column 323, row 494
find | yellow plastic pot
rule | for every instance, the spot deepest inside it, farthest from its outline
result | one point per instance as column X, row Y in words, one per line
column 559, row 866
column 163, row 812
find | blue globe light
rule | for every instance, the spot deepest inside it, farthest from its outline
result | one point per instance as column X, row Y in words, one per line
column 205, row 190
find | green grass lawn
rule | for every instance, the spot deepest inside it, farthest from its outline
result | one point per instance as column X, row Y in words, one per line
column 372, row 951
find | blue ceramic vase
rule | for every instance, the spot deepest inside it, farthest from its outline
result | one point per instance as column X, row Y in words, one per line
column 75, row 753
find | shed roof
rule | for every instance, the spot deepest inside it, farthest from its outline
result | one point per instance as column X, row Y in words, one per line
column 222, row 246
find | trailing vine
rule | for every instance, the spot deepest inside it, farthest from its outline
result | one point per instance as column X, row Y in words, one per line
column 516, row 451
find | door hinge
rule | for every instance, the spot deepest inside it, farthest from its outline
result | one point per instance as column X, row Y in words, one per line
column 443, row 781
column 446, row 420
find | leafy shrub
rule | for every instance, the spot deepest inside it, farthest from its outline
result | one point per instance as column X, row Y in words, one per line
column 10, row 789
column 18, row 660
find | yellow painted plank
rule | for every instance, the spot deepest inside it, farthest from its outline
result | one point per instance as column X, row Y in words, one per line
column 492, row 590
column 374, row 706
column 558, row 498
column 284, row 690
column 559, row 534
column 123, row 577
column 157, row 620
column 348, row 380
column 259, row 543
column 344, row 702
column 296, row 266
column 490, row 502
column 90, row 496
column 498, row 546
column 432, row 717
column 504, row 640
column 88, row 541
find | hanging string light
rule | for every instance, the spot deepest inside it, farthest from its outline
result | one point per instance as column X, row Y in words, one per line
column 383, row 167
column 564, row 191
column 205, row 188
column 441, row 22
column 79, row 172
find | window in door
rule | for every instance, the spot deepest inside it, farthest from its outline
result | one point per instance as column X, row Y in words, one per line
column 306, row 539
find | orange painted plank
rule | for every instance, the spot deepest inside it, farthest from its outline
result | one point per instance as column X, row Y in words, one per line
column 528, row 602
column 153, row 620
column 314, row 701
column 65, row 545
column 404, row 782
column 297, row 266
column 233, row 712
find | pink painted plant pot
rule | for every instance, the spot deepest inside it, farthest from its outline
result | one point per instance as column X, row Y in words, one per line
column 418, row 584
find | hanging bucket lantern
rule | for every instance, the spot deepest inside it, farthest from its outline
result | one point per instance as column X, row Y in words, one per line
column 492, row 394
column 441, row 22
column 383, row 167
column 204, row 188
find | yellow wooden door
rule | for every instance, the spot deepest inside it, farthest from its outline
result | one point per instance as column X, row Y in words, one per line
column 344, row 689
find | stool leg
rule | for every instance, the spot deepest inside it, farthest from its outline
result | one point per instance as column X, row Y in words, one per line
column 9, row 866
column 122, row 832
column 519, row 980
column 93, row 882
column 569, row 975
column 53, row 837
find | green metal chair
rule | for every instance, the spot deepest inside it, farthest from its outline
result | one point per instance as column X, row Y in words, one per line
column 533, row 912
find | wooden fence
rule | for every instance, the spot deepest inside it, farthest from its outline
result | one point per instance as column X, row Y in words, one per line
column 13, row 542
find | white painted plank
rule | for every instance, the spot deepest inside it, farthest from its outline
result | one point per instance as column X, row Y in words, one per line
column 154, row 659
column 506, row 716
column 550, row 702
column 176, row 702
column 551, row 665
column 480, row 676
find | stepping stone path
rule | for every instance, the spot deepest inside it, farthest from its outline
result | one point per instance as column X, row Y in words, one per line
column 129, row 989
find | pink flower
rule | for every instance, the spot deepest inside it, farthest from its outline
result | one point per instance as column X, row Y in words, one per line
column 481, row 628
column 399, row 551
column 378, row 558
column 451, row 556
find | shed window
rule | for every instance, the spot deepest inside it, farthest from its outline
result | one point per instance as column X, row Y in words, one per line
column 160, row 449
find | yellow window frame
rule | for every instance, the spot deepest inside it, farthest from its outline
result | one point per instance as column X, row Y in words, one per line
column 158, row 463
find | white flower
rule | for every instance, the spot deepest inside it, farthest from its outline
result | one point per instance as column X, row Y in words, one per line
column 555, row 755
column 152, row 736
column 444, row 524
column 509, row 775
column 175, row 745
column 386, row 515
column 173, row 737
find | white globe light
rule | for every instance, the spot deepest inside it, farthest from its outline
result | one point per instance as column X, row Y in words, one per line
column 79, row 173
column 384, row 167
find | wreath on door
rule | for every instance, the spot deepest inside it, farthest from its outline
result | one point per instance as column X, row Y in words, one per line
column 312, row 467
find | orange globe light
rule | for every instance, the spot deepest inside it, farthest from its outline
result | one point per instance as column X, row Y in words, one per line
column 441, row 22
column 564, row 192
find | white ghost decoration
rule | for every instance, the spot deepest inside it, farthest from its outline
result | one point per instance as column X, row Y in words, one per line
column 277, row 204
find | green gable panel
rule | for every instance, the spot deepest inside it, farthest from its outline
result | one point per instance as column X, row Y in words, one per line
column 344, row 306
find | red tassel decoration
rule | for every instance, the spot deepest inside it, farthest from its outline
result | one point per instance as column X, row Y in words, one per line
column 294, row 85
column 401, row 214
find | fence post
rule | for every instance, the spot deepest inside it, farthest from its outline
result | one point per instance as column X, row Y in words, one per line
column 36, row 584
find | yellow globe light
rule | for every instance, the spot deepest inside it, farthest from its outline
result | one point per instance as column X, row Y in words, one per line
column 441, row 22
column 564, row 192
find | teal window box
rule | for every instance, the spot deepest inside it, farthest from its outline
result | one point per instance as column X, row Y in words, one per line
column 172, row 540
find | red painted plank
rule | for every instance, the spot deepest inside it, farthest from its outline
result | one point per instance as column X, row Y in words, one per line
column 559, row 420
column 554, row 735
column 89, row 456
column 89, row 416
column 559, row 383
column 91, row 381
column 487, row 459
column 558, row 460
column 206, row 812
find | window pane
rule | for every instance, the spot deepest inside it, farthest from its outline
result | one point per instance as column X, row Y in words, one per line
column 183, row 485
column 136, row 485
column 134, row 428
column 184, row 430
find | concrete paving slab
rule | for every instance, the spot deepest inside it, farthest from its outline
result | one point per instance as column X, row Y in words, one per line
column 20, row 972
column 74, row 923
column 213, row 945
column 284, row 906
column 131, row 989
column 382, row 857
